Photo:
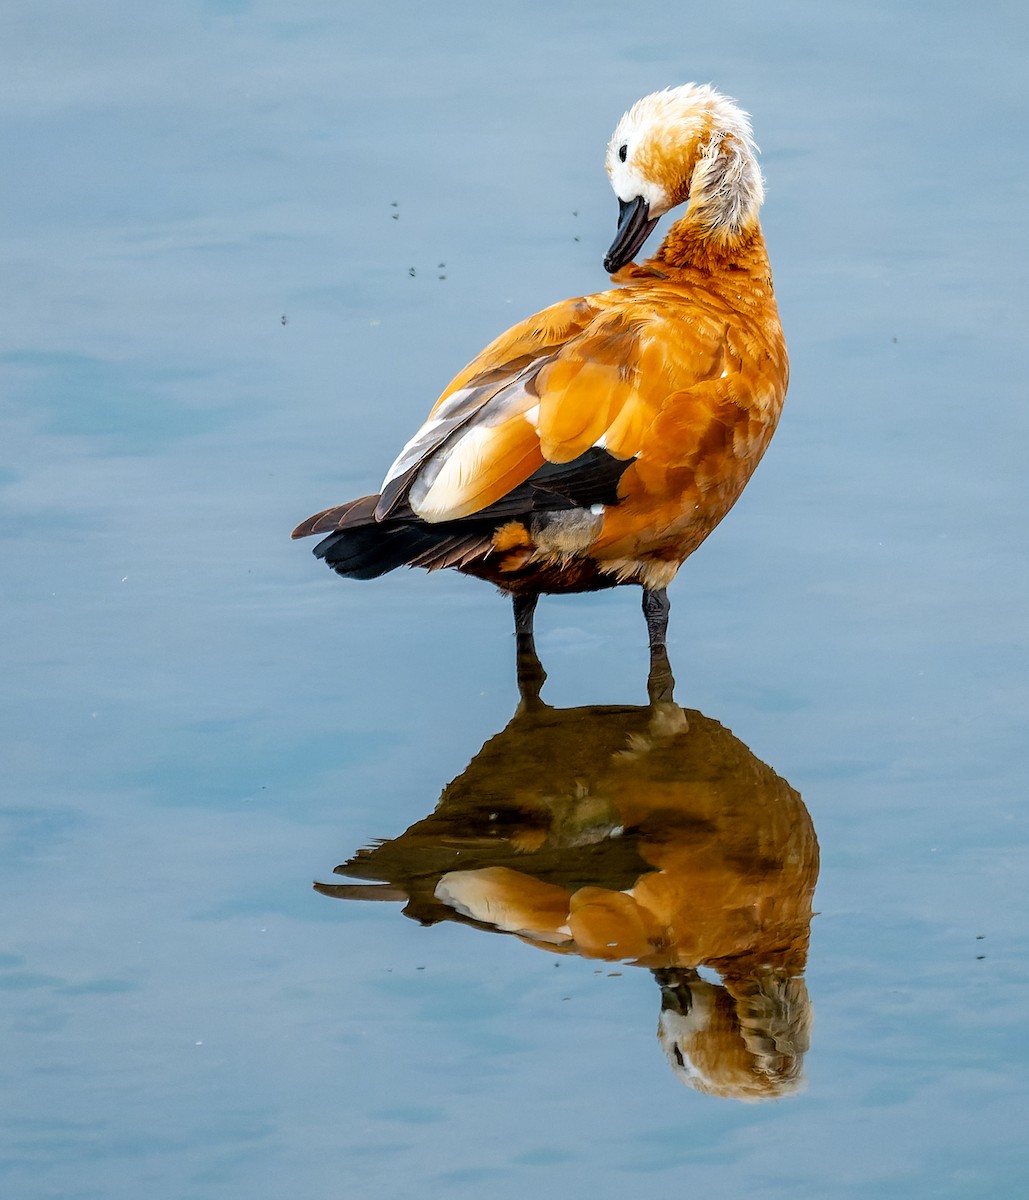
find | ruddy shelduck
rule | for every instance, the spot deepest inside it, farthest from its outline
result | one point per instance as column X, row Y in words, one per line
column 600, row 441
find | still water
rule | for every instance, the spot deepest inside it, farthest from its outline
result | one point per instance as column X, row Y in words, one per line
column 245, row 247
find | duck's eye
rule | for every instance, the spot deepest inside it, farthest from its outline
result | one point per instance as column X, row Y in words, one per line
column 623, row 150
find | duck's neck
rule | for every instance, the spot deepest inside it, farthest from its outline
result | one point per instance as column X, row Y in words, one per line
column 687, row 247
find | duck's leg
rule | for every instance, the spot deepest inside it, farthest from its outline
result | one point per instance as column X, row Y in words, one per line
column 531, row 675
column 660, row 682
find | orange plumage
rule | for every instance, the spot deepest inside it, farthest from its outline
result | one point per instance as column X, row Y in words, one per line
column 601, row 440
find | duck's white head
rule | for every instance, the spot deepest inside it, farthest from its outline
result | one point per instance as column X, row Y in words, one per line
column 688, row 143
column 746, row 1039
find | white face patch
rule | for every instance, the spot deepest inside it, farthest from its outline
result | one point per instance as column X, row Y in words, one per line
column 629, row 183
column 677, row 1031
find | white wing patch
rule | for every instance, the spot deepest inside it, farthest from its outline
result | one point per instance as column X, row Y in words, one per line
column 450, row 469
column 448, row 473
column 496, row 403
column 448, row 413
column 508, row 901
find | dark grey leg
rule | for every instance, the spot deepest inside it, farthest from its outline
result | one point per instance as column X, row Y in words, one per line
column 656, row 609
column 524, row 612
column 531, row 675
column 660, row 682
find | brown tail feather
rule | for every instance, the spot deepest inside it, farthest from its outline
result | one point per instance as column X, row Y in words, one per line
column 343, row 516
column 453, row 551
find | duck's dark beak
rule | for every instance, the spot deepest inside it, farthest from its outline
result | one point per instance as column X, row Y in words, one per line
column 634, row 226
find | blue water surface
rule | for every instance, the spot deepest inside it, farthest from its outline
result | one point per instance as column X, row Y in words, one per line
column 245, row 246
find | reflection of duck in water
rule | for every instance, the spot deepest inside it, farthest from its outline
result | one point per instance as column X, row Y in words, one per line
column 650, row 835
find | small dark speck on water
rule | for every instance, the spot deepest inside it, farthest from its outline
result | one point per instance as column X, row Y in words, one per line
column 284, row 319
column 980, row 957
column 980, row 936
column 410, row 271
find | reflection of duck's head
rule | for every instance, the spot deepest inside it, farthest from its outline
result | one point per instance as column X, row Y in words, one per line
column 744, row 1038
column 647, row 835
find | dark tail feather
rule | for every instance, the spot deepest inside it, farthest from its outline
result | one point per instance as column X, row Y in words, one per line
column 354, row 512
column 360, row 547
column 369, row 551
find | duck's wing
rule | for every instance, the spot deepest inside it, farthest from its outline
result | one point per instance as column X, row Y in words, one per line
column 560, row 405
column 485, row 408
